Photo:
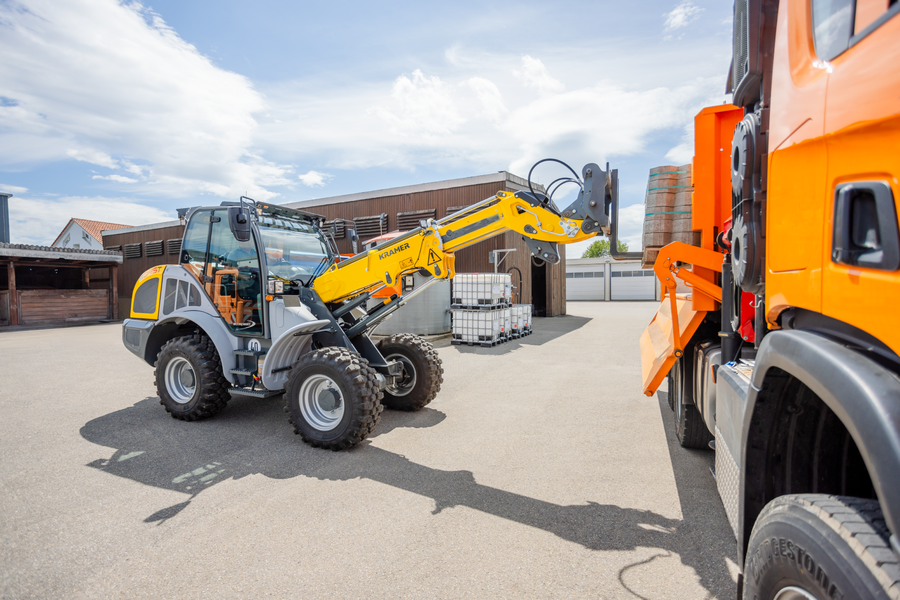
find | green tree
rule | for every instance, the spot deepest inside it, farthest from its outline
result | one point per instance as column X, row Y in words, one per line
column 601, row 248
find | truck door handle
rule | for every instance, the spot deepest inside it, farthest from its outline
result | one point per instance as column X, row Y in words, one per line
column 865, row 226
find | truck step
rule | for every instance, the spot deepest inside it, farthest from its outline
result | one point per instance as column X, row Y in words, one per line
column 242, row 372
column 239, row 391
column 254, row 353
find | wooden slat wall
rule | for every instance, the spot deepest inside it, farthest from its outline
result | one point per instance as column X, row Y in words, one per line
column 4, row 307
column 470, row 260
column 38, row 307
column 131, row 268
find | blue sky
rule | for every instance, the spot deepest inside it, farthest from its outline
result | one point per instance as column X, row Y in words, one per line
column 124, row 112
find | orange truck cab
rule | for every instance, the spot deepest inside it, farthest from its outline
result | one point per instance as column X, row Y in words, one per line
column 785, row 356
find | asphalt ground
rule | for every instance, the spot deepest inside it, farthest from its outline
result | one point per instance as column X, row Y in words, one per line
column 540, row 471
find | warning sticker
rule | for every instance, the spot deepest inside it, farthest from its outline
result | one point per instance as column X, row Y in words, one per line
column 433, row 258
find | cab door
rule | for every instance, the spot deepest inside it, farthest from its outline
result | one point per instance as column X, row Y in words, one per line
column 229, row 270
column 861, row 257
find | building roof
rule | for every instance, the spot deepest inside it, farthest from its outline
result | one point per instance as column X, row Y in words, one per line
column 92, row 227
column 52, row 253
column 513, row 182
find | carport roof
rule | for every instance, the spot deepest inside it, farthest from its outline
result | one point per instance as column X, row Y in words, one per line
column 50, row 254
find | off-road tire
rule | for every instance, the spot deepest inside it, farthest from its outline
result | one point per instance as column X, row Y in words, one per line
column 690, row 429
column 211, row 388
column 429, row 370
column 828, row 546
column 358, row 385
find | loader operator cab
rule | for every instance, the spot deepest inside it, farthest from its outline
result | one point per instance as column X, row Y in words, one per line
column 236, row 275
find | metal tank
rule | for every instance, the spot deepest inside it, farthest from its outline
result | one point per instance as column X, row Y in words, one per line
column 426, row 314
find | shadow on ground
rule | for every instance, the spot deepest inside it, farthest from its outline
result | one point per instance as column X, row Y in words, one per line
column 545, row 329
column 253, row 437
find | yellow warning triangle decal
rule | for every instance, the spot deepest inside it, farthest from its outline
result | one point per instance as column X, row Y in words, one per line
column 433, row 258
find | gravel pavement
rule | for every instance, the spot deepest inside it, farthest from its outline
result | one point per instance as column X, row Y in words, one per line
column 540, row 471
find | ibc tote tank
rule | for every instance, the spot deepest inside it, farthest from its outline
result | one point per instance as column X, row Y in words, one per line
column 426, row 314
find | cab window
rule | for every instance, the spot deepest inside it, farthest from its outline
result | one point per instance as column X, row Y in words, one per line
column 832, row 26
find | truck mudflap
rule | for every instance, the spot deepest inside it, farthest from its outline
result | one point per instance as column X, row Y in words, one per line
column 659, row 348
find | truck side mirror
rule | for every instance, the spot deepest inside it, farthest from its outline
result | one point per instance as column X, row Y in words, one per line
column 239, row 221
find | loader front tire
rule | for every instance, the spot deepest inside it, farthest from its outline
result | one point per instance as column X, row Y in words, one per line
column 189, row 379
column 423, row 372
column 333, row 398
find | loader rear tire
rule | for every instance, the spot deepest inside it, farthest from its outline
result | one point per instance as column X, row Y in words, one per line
column 333, row 398
column 423, row 372
column 189, row 379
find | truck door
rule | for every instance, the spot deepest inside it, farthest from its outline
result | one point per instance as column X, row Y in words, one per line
column 861, row 256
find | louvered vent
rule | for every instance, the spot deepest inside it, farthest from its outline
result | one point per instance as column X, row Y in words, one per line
column 337, row 228
column 369, row 227
column 154, row 248
column 454, row 209
column 114, row 248
column 741, row 41
column 410, row 220
column 173, row 246
column 132, row 251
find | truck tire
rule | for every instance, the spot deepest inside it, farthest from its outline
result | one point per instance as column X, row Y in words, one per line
column 423, row 372
column 333, row 398
column 817, row 546
column 189, row 379
column 690, row 429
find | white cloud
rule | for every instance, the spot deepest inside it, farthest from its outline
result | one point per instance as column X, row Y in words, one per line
column 489, row 96
column 116, row 178
column 683, row 153
column 38, row 221
column 681, row 16
column 110, row 83
column 421, row 106
column 534, row 74
column 95, row 157
column 12, row 189
column 314, row 179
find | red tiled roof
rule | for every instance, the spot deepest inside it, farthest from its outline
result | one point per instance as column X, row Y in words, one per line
column 92, row 227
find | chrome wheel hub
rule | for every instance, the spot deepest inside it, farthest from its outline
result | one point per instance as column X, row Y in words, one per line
column 407, row 378
column 181, row 381
column 321, row 402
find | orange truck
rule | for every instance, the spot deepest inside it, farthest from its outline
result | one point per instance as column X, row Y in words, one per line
column 785, row 355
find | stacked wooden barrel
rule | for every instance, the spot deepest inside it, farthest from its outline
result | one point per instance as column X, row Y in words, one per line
column 667, row 206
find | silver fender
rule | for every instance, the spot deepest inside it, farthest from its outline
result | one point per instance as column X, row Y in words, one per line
column 291, row 342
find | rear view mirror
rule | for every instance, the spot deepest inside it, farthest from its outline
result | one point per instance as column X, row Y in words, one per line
column 239, row 221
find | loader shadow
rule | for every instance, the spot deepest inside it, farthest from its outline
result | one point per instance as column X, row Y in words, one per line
column 544, row 329
column 254, row 438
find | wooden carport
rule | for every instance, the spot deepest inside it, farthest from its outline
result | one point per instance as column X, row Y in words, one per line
column 42, row 285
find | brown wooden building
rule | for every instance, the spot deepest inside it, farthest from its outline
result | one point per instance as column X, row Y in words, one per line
column 142, row 247
column 40, row 285
column 375, row 213
column 400, row 209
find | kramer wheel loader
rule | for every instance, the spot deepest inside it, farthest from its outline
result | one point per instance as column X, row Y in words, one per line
column 261, row 305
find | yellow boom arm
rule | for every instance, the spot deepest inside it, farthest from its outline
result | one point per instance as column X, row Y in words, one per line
column 432, row 246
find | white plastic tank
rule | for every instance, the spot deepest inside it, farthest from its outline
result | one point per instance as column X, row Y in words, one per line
column 426, row 314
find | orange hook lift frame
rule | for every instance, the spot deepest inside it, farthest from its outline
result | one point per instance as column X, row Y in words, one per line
column 675, row 322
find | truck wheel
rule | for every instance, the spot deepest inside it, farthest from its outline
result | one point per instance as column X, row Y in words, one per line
column 423, row 372
column 189, row 379
column 817, row 546
column 333, row 398
column 690, row 429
